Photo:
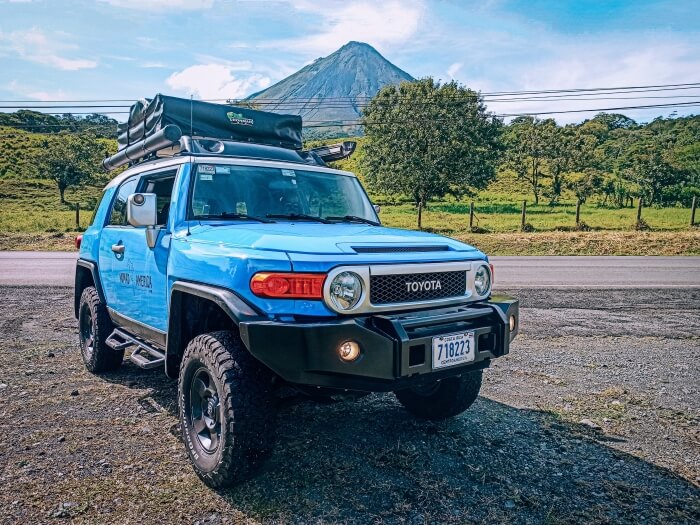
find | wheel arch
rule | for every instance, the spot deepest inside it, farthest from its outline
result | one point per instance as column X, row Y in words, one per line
column 196, row 309
column 86, row 274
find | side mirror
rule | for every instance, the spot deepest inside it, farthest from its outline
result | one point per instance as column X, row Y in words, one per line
column 141, row 209
column 377, row 208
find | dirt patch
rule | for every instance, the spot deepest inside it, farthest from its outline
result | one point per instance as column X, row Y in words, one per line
column 592, row 418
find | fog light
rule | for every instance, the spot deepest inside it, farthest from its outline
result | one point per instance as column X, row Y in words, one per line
column 349, row 351
column 512, row 323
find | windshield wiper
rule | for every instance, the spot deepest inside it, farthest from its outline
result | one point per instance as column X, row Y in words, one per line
column 297, row 216
column 353, row 218
column 231, row 215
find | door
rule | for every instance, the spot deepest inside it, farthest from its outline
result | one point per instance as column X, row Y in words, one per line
column 134, row 276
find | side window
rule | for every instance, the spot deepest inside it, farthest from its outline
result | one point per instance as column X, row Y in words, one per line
column 118, row 215
column 162, row 186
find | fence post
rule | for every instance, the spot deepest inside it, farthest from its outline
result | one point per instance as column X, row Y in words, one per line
column 578, row 212
column 522, row 218
column 692, row 212
column 471, row 213
column 639, row 210
column 77, row 215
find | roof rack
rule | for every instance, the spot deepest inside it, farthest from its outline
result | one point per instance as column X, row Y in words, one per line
column 155, row 129
column 170, row 142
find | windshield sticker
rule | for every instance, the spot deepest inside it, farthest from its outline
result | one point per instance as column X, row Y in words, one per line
column 206, row 168
column 289, row 173
column 206, row 176
column 238, row 118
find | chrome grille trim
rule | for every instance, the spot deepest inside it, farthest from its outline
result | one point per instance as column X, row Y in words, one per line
column 367, row 271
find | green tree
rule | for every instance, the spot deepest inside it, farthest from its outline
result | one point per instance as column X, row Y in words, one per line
column 650, row 169
column 70, row 159
column 529, row 142
column 425, row 140
column 584, row 185
column 567, row 150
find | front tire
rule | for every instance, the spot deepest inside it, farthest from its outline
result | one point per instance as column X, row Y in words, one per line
column 227, row 409
column 442, row 399
column 94, row 327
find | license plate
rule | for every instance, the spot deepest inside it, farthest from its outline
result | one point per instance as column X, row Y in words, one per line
column 453, row 349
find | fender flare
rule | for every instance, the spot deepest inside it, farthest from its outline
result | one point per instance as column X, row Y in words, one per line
column 232, row 305
column 78, row 290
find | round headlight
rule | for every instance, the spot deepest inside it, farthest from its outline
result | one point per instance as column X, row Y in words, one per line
column 346, row 290
column 482, row 280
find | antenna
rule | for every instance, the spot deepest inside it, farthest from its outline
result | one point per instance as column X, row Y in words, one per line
column 191, row 124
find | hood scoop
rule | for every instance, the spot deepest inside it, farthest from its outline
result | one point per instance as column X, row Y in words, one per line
column 400, row 249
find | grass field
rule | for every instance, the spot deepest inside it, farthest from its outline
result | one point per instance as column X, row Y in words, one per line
column 33, row 206
column 504, row 216
column 31, row 217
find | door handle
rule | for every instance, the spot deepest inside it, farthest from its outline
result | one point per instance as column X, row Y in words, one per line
column 118, row 248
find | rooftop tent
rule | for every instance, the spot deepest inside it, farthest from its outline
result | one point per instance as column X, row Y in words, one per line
column 204, row 119
column 166, row 126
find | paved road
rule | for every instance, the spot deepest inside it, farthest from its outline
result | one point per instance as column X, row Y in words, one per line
column 56, row 268
column 597, row 272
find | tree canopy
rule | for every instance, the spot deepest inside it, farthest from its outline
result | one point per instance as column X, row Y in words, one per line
column 70, row 160
column 425, row 140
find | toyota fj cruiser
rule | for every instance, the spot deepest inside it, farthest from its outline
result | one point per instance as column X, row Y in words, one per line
column 242, row 265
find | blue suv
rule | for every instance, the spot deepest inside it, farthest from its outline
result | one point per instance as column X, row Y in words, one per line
column 246, row 269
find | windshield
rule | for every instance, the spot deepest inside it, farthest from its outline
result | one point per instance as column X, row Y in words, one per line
column 225, row 191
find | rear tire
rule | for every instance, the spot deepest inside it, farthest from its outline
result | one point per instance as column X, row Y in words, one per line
column 94, row 327
column 227, row 409
column 442, row 399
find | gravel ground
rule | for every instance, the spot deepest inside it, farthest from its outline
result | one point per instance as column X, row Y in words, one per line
column 592, row 418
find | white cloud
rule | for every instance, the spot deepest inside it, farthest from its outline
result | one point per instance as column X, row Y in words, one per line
column 153, row 65
column 382, row 24
column 590, row 64
column 454, row 69
column 26, row 91
column 35, row 46
column 167, row 6
column 45, row 96
column 216, row 81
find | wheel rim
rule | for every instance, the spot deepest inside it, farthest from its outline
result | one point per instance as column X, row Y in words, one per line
column 205, row 410
column 87, row 331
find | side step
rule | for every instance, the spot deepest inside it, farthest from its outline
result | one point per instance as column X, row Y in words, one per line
column 144, row 355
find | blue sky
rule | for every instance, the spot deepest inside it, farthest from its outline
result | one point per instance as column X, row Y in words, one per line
column 128, row 49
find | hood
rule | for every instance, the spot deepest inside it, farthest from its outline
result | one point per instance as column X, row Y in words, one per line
column 321, row 239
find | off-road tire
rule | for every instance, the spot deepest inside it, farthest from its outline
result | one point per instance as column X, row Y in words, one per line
column 246, row 409
column 97, row 356
column 444, row 399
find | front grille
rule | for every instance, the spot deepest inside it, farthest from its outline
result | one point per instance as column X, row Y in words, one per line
column 389, row 289
column 400, row 249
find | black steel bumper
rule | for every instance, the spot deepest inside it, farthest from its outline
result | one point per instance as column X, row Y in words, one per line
column 396, row 349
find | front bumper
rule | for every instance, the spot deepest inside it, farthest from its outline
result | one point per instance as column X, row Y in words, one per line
column 396, row 349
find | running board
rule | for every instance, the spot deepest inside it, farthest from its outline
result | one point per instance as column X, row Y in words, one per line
column 144, row 355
